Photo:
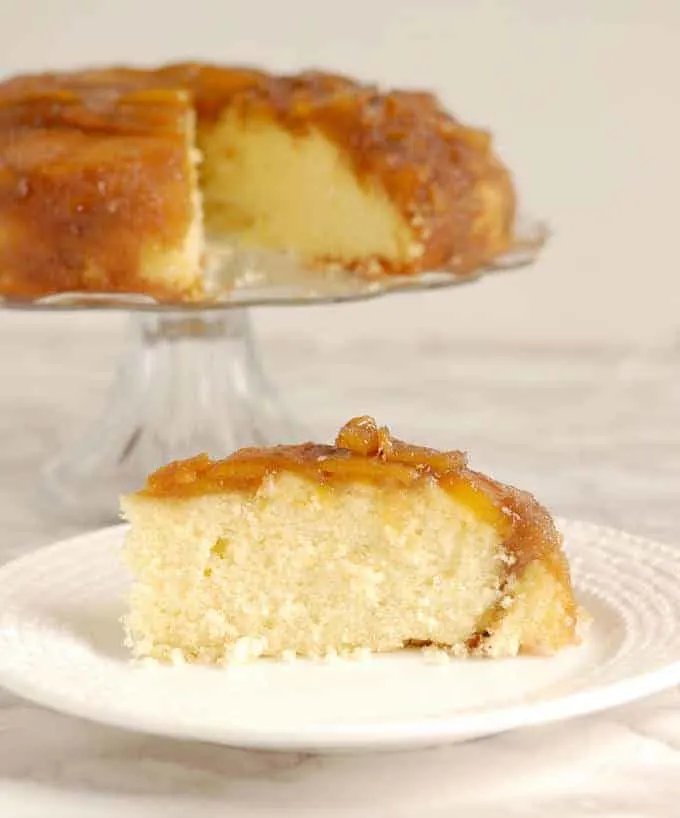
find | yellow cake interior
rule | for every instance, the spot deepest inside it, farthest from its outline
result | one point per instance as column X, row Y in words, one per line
column 278, row 189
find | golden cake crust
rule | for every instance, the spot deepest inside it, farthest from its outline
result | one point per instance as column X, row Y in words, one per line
column 442, row 176
column 366, row 452
column 90, row 180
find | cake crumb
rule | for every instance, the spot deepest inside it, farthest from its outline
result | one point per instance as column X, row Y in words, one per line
column 176, row 657
column 245, row 649
column 435, row 656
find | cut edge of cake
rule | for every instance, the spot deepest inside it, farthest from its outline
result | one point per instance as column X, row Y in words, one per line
column 178, row 272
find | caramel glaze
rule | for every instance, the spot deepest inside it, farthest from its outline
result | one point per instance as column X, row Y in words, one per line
column 366, row 452
column 88, row 181
column 443, row 176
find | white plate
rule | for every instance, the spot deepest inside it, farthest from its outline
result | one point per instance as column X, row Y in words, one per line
column 60, row 645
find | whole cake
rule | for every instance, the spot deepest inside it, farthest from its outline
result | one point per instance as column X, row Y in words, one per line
column 368, row 545
column 99, row 189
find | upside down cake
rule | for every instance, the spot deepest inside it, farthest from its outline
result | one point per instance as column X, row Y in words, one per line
column 100, row 189
column 319, row 551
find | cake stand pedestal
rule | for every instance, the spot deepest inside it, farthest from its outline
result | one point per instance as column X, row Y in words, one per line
column 188, row 382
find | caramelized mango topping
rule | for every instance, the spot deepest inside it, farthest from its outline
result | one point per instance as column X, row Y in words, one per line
column 363, row 451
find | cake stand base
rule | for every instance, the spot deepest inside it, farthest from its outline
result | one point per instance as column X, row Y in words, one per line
column 188, row 382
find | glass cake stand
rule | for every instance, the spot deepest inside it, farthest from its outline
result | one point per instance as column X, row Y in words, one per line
column 191, row 379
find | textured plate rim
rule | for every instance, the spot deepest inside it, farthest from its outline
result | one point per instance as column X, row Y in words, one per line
column 412, row 733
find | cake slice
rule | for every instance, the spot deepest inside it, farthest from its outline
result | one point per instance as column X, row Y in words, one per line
column 98, row 192
column 368, row 545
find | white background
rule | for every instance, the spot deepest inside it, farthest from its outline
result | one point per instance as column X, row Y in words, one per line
column 582, row 95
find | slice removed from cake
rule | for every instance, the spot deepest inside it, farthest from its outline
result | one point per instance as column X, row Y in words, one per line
column 368, row 545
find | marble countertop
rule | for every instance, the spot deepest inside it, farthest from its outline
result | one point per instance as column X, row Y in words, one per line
column 594, row 431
